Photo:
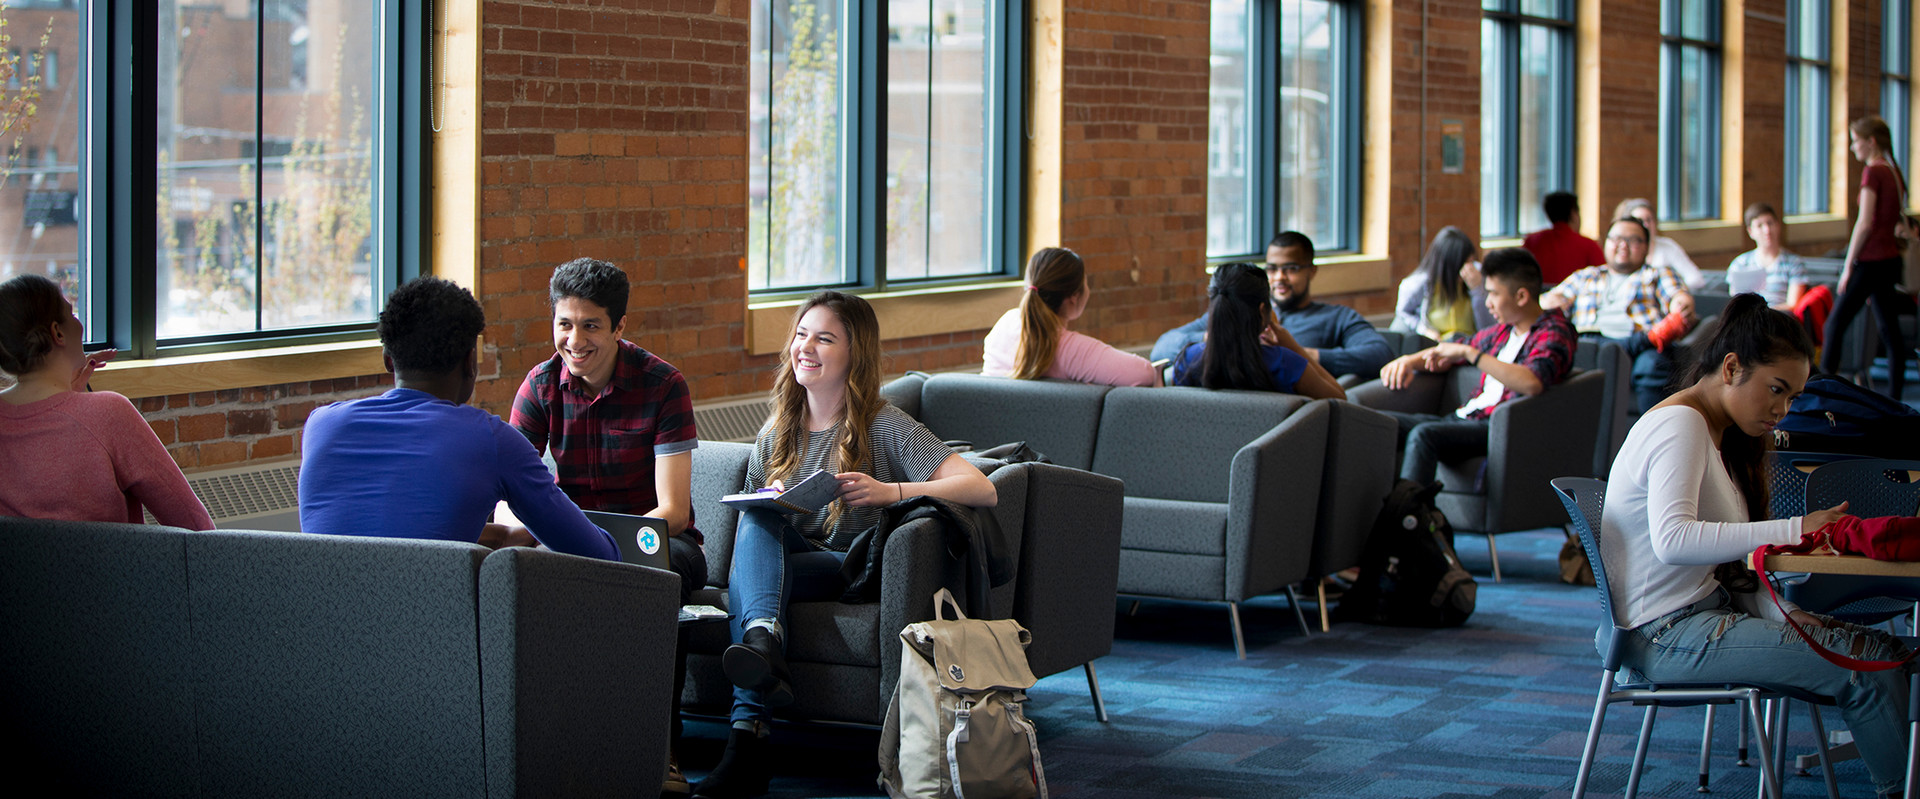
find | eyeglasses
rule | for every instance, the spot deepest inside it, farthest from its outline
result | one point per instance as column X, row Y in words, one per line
column 1290, row 269
column 1635, row 240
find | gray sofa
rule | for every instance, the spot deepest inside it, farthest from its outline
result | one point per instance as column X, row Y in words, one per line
column 1532, row 440
column 142, row 660
column 1221, row 505
column 845, row 658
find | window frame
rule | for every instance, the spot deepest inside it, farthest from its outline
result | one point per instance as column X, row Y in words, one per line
column 119, row 247
column 1795, row 162
column 863, row 76
column 1507, row 179
column 1263, row 115
column 1672, row 153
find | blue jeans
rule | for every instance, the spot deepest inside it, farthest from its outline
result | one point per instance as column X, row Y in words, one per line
column 1428, row 440
column 772, row 564
column 1711, row 641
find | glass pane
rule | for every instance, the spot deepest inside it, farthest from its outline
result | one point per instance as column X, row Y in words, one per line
column 1699, row 140
column 1809, row 164
column 1552, row 9
column 266, row 169
column 318, row 224
column 1894, row 108
column 205, row 137
column 936, row 209
column 1807, row 35
column 793, row 145
column 1542, row 66
column 1494, row 106
column 1229, row 188
column 1308, row 118
column 40, row 182
column 1699, row 19
column 1897, row 41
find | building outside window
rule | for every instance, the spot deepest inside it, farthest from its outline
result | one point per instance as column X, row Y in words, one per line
column 1526, row 111
column 1896, row 76
column 1808, row 144
column 1690, row 109
column 273, row 186
column 1283, row 124
column 878, row 148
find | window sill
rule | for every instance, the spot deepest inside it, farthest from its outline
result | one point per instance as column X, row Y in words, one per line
column 1352, row 274
column 1818, row 227
column 902, row 314
column 230, row 370
column 1708, row 236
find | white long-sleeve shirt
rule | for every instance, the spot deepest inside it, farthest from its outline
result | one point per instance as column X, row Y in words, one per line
column 1672, row 514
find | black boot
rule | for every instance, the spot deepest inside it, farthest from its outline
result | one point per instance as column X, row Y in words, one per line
column 758, row 664
column 742, row 771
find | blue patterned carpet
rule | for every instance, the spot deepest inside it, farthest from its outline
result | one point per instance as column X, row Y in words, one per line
column 1497, row 708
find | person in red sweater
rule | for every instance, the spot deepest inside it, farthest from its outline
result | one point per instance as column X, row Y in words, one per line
column 1560, row 249
column 82, row 455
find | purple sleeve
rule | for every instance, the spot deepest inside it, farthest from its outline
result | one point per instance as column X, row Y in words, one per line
column 550, row 516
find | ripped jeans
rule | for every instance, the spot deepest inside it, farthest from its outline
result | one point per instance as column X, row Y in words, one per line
column 1709, row 641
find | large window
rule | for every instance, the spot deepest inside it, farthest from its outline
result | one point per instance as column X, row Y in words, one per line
column 1526, row 111
column 879, row 149
column 1809, row 37
column 212, row 175
column 1690, row 109
column 1283, row 124
column 1896, row 75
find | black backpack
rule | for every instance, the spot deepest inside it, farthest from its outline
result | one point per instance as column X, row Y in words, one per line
column 1834, row 415
column 1409, row 575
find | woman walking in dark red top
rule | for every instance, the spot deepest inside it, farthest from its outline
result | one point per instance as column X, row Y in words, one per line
column 1873, row 254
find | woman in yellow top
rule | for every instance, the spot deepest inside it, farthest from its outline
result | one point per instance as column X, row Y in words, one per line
column 1444, row 299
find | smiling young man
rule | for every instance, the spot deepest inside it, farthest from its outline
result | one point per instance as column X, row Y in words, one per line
column 1334, row 336
column 1528, row 351
column 618, row 420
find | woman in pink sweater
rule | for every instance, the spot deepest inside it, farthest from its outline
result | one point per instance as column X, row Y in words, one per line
column 1032, row 341
column 75, row 454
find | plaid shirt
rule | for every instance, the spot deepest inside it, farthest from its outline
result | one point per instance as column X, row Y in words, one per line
column 1652, row 295
column 604, row 445
column 1548, row 353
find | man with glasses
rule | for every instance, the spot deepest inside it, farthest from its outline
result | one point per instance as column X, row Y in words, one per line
column 1335, row 336
column 1642, row 308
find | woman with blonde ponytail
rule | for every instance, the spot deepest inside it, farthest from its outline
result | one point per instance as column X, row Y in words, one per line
column 827, row 414
column 1032, row 341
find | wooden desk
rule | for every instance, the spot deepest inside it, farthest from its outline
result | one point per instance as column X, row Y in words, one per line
column 1836, row 564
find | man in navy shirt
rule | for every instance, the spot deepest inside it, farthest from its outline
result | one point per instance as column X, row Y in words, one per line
column 1334, row 336
column 417, row 461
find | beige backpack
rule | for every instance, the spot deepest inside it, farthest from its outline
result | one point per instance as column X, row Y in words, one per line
column 955, row 727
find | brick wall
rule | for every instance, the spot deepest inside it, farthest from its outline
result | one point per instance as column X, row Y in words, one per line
column 618, row 131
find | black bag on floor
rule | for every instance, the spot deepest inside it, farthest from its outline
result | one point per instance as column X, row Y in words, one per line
column 1409, row 575
column 1834, row 415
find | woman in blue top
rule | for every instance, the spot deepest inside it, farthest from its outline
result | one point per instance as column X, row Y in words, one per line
column 1246, row 347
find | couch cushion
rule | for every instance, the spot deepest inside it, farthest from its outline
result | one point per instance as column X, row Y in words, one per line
column 335, row 664
column 1167, row 525
column 1172, row 575
column 719, row 469
column 1056, row 417
column 1179, row 442
column 95, row 650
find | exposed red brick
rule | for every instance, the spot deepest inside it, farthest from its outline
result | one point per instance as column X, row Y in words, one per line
column 202, row 427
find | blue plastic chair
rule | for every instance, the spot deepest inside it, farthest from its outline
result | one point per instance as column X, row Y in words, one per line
column 1584, row 499
column 1787, row 479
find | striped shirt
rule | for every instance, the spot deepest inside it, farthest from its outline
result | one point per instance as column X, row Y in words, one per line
column 904, row 451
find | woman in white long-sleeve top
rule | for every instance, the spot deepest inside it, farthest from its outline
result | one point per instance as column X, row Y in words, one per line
column 1688, row 492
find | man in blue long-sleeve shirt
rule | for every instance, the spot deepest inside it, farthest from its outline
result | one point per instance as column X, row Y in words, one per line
column 1334, row 335
column 417, row 461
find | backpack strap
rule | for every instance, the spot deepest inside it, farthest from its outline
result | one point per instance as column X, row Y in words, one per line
column 1851, row 663
column 943, row 601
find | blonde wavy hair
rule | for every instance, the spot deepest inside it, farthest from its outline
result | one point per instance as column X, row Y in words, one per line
column 1054, row 275
column 788, row 417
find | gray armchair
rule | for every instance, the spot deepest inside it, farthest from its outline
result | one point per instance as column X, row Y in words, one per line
column 1616, row 398
column 1531, row 441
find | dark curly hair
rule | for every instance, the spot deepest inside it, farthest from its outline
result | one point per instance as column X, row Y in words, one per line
column 30, row 306
column 430, row 324
column 595, row 281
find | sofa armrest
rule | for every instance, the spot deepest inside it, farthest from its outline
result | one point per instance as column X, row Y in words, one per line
column 1424, row 396
column 576, row 665
column 1519, row 465
column 915, row 566
column 1273, row 497
column 904, row 392
column 1069, row 565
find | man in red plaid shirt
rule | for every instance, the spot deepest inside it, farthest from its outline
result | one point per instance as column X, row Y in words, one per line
column 619, row 422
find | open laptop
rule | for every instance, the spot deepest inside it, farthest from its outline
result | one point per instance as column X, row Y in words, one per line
column 642, row 539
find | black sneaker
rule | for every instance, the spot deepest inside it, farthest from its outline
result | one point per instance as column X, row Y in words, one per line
column 757, row 664
column 742, row 771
